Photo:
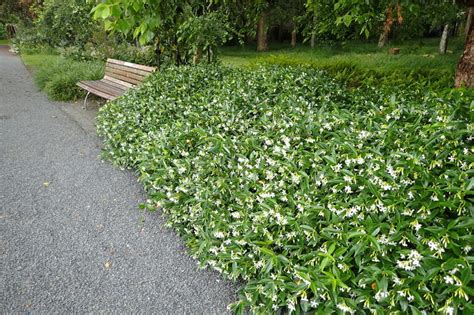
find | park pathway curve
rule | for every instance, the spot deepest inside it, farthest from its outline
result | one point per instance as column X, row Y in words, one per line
column 72, row 239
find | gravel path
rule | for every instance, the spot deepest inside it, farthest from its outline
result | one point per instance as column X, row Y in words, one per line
column 72, row 239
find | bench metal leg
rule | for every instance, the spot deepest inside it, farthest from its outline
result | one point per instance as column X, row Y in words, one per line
column 84, row 106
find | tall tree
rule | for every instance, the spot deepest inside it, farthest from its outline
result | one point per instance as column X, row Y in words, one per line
column 262, row 29
column 465, row 67
column 443, row 43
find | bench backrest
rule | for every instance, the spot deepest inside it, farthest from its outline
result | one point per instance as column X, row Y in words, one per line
column 126, row 74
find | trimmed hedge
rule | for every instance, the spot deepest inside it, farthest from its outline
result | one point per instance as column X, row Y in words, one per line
column 322, row 199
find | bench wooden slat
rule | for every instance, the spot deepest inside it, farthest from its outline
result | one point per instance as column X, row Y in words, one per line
column 132, row 65
column 127, row 69
column 105, row 87
column 126, row 74
column 117, row 81
column 122, row 77
column 117, row 85
column 96, row 92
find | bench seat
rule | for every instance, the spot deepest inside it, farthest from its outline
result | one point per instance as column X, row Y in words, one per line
column 103, row 88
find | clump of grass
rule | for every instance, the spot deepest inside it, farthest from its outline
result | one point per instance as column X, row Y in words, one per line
column 58, row 76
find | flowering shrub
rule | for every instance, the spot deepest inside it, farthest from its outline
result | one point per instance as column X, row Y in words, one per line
column 321, row 198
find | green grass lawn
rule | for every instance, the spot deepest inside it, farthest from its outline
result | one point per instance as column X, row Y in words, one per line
column 414, row 54
column 37, row 60
column 4, row 41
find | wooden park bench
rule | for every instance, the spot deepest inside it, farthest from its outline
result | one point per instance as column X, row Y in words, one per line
column 119, row 77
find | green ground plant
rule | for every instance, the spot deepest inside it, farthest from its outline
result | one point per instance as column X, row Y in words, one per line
column 358, row 63
column 58, row 76
column 323, row 199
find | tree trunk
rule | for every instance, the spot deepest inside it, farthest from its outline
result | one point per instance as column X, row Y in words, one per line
column 262, row 43
column 158, row 55
column 313, row 33
column 468, row 21
column 293, row 38
column 465, row 68
column 197, row 55
column 387, row 26
column 443, row 43
column 383, row 39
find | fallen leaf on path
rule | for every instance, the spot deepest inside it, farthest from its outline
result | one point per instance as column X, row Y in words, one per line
column 46, row 184
column 107, row 265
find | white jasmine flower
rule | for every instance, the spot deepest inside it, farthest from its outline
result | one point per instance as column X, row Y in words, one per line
column 336, row 168
column 381, row 295
column 417, row 226
column 235, row 215
column 411, row 263
column 448, row 280
column 345, row 309
column 449, row 310
column 467, row 249
column 454, row 271
column 291, row 306
column 219, row 234
column 259, row 264
column 295, row 178
column 397, row 281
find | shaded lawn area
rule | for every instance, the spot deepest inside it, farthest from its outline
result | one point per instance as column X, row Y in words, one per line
column 4, row 42
column 34, row 61
column 414, row 55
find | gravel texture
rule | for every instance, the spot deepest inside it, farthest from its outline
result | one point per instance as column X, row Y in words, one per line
column 72, row 239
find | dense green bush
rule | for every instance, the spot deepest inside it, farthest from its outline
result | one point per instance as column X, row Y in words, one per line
column 59, row 78
column 58, row 23
column 64, row 23
column 321, row 198
column 144, row 55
